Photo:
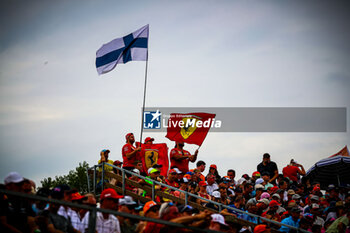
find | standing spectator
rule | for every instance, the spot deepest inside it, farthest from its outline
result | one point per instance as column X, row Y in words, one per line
column 104, row 158
column 180, row 157
column 213, row 170
column 106, row 223
column 293, row 170
column 232, row 174
column 268, row 166
column 200, row 167
column 149, row 140
column 129, row 152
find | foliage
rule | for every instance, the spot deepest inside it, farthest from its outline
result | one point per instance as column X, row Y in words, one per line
column 75, row 179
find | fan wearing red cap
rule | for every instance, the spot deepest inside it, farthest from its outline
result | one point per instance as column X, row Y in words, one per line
column 149, row 140
column 180, row 158
column 130, row 153
column 203, row 192
column 261, row 229
column 109, row 200
column 171, row 179
column 213, row 170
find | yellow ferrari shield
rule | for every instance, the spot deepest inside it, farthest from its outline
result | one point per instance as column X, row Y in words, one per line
column 151, row 158
column 189, row 127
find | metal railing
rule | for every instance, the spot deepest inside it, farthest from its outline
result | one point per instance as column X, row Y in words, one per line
column 220, row 205
column 93, row 212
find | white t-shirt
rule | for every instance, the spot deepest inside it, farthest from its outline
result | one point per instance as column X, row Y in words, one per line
column 110, row 225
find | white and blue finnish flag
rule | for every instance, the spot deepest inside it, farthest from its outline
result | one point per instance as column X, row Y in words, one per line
column 132, row 47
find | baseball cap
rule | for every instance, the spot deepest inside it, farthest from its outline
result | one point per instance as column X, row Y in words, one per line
column 117, row 162
column 265, row 195
column 128, row 135
column 202, row 183
column 276, row 195
column 172, row 171
column 315, row 206
column 186, row 208
column 213, row 166
column 105, row 150
column 13, row 177
column 274, row 203
column 314, row 197
column 148, row 206
column 296, row 197
column 266, row 155
column 127, row 200
column 259, row 181
column 274, row 189
column 241, row 180
column 149, row 139
column 316, row 189
column 265, row 201
column 291, row 204
column 259, row 186
column 77, row 197
column 290, row 192
column 216, row 194
column 177, row 170
column 109, row 193
column 58, row 191
column 256, row 174
column 295, row 209
column 260, row 228
column 218, row 218
column 137, row 171
column 153, row 170
column 184, row 180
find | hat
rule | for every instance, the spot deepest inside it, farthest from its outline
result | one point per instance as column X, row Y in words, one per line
column 276, row 195
column 266, row 155
column 291, row 204
column 177, row 170
column 153, row 170
column 274, row 189
column 293, row 161
column 77, row 196
column 315, row 206
column 316, row 189
column 186, row 208
column 128, row 135
column 13, row 177
column 260, row 228
column 218, row 218
column 105, row 151
column 331, row 186
column 148, row 206
column 259, row 181
column 110, row 194
column 296, row 197
column 295, row 210
column 57, row 193
column 213, row 166
column 256, row 174
column 127, row 200
column 216, row 194
column 190, row 173
column 226, row 178
column 241, row 181
column 290, row 192
column 172, row 171
column 314, row 197
column 149, row 139
column 202, row 183
column 274, row 203
column 259, row 186
column 137, row 171
column 265, row 201
column 184, row 180
column 117, row 162
column 265, row 195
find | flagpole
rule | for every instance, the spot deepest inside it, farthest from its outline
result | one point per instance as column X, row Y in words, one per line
column 144, row 93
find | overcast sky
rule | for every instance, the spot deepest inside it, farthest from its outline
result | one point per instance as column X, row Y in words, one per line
column 55, row 111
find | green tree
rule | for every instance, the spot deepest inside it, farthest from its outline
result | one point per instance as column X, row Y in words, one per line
column 75, row 179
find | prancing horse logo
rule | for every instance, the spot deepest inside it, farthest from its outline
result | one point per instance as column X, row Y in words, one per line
column 187, row 131
column 151, row 158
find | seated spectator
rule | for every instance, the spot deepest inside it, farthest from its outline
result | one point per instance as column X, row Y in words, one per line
column 200, row 167
column 75, row 217
column 216, row 196
column 218, row 223
column 212, row 185
column 203, row 193
column 293, row 220
column 151, row 210
column 126, row 205
column 39, row 206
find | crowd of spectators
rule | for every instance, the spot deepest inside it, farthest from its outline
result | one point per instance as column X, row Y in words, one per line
column 286, row 197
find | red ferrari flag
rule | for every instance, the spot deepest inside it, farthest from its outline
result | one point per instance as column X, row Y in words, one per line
column 190, row 128
column 152, row 154
column 342, row 152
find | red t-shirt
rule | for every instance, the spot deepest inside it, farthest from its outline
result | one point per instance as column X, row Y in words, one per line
column 127, row 148
column 291, row 172
column 181, row 164
column 173, row 184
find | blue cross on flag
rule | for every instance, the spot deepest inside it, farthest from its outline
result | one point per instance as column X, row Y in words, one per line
column 132, row 47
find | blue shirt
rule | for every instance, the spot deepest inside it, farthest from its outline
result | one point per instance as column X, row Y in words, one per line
column 289, row 221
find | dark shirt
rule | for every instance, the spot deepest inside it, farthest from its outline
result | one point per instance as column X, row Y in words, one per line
column 270, row 168
column 60, row 222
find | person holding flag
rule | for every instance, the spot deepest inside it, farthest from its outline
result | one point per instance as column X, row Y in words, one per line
column 180, row 158
column 130, row 153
